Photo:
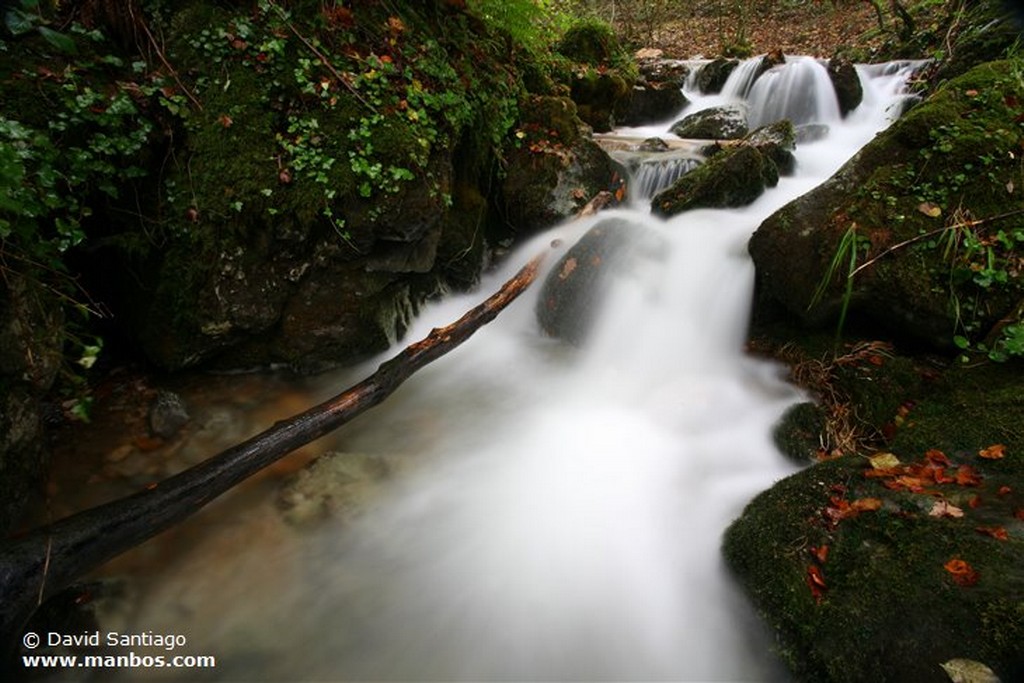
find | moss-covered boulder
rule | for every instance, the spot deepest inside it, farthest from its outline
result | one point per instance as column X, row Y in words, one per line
column 599, row 96
column 925, row 208
column 296, row 188
column 713, row 75
column 777, row 141
column 556, row 169
column 723, row 122
column 602, row 73
column 736, row 176
column 653, row 102
column 889, row 567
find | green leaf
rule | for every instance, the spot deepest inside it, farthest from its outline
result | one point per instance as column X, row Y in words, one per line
column 961, row 342
column 19, row 23
column 61, row 41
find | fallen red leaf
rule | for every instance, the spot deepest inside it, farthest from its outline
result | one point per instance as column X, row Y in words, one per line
column 996, row 532
column 967, row 476
column 816, row 582
column 963, row 573
column 1003, row 490
column 865, row 505
column 938, row 457
column 993, row 452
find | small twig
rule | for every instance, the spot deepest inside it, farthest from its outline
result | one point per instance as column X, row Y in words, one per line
column 932, row 233
column 324, row 60
column 46, row 571
column 163, row 59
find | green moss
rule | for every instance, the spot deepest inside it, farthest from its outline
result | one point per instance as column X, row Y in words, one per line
column 591, row 42
column 969, row 408
column 889, row 609
column 797, row 432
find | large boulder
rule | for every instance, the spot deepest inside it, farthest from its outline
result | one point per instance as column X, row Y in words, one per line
column 734, row 176
column 904, row 209
column 599, row 96
column 653, row 102
column 723, row 122
column 713, row 75
column 893, row 568
column 571, row 297
column 557, row 168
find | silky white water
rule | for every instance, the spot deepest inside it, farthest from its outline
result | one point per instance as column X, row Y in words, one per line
column 563, row 512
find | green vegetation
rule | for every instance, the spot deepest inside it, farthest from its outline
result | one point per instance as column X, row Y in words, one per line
column 962, row 170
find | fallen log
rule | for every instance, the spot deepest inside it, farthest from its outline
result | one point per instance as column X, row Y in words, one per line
column 47, row 560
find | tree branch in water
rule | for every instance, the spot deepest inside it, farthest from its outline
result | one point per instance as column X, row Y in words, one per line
column 47, row 560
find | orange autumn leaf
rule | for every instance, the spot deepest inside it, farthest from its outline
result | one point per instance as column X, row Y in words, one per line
column 938, row 457
column 866, row 504
column 963, row 574
column 967, row 476
column 816, row 582
column 993, row 452
column 996, row 532
column 1003, row 490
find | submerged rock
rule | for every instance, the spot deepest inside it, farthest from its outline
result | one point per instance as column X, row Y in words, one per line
column 572, row 296
column 167, row 414
column 336, row 485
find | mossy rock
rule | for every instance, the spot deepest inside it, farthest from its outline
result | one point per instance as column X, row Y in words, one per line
column 599, row 97
column 32, row 334
column 796, row 434
column 734, row 177
column 591, row 42
column 931, row 154
column 882, row 602
column 556, row 170
column 884, row 606
column 724, row 122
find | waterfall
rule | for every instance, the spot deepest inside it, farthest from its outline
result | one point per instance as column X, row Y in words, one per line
column 559, row 510
column 742, row 79
column 799, row 90
column 652, row 173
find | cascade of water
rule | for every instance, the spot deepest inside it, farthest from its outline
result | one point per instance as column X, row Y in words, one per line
column 799, row 90
column 564, row 514
column 656, row 172
column 741, row 80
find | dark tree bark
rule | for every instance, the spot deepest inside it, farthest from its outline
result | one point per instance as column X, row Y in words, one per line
column 48, row 560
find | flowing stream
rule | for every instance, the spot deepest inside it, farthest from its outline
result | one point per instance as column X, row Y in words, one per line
column 558, row 511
